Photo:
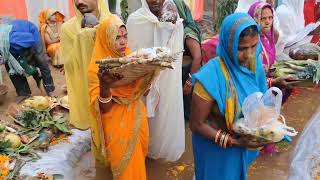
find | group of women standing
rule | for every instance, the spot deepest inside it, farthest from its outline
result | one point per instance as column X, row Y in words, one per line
column 245, row 53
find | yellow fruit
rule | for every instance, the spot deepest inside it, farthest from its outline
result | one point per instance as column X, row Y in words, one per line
column 14, row 140
column 40, row 103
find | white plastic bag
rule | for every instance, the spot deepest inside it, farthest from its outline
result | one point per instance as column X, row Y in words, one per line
column 261, row 117
column 305, row 162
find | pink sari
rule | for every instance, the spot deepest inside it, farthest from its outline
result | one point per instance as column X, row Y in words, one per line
column 209, row 48
column 267, row 40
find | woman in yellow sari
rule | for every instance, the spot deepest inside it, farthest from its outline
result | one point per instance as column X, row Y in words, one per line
column 119, row 111
column 50, row 22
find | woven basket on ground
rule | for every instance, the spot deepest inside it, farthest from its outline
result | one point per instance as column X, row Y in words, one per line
column 133, row 68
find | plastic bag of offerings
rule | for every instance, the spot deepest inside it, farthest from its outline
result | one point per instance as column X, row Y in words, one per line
column 262, row 119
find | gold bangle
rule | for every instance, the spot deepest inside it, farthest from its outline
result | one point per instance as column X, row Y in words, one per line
column 222, row 138
column 225, row 140
column 104, row 100
column 217, row 136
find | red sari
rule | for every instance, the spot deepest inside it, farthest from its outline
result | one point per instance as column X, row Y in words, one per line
column 311, row 9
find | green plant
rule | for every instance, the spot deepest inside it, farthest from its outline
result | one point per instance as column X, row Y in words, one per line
column 5, row 147
column 124, row 10
column 224, row 8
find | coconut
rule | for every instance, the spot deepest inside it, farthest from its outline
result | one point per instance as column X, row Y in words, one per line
column 14, row 140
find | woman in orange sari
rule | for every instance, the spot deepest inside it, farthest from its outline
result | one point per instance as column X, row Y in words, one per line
column 50, row 22
column 119, row 111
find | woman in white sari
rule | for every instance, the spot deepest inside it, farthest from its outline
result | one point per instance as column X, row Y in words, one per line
column 291, row 23
column 165, row 100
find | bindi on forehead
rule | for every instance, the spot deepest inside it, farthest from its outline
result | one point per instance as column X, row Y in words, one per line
column 122, row 32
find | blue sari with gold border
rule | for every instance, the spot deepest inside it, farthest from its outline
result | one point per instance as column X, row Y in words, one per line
column 228, row 84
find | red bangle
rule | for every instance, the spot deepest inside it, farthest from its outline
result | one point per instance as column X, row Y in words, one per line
column 269, row 81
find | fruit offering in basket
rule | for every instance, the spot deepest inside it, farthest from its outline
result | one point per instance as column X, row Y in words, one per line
column 139, row 64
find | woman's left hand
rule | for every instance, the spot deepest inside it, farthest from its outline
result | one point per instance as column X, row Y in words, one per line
column 187, row 88
column 246, row 142
column 106, row 78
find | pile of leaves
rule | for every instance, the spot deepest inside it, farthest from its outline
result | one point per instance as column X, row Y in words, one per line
column 298, row 69
column 34, row 128
column 6, row 149
column 34, row 121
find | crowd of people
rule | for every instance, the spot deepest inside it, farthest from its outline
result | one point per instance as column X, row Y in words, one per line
column 138, row 120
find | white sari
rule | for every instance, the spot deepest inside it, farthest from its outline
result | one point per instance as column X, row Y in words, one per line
column 165, row 99
column 133, row 5
column 244, row 5
column 291, row 23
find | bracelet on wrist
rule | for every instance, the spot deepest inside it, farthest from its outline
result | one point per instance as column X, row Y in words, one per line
column 269, row 81
column 223, row 135
column 225, row 140
column 104, row 100
column 188, row 82
column 217, row 136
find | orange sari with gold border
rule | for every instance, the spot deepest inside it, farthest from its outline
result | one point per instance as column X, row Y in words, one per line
column 124, row 128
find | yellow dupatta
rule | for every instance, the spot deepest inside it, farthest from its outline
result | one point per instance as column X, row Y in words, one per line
column 233, row 107
column 76, row 47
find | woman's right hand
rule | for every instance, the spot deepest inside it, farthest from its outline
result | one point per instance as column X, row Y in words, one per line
column 246, row 142
column 284, row 82
column 106, row 78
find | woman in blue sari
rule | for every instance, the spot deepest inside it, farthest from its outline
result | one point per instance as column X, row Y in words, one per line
column 220, row 88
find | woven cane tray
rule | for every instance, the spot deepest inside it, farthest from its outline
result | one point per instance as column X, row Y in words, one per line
column 139, row 65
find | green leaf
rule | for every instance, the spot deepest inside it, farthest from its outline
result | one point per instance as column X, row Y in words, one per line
column 61, row 120
column 63, row 128
column 47, row 124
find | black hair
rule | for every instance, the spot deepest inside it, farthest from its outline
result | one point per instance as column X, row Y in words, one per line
column 249, row 31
